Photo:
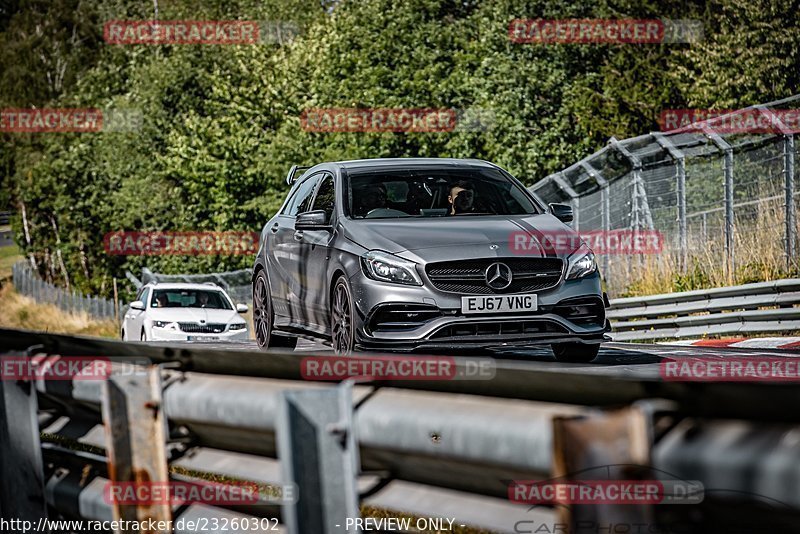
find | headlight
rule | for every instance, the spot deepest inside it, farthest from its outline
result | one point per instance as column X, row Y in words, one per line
column 386, row 267
column 237, row 326
column 163, row 324
column 581, row 263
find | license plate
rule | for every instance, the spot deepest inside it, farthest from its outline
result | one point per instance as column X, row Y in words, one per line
column 202, row 338
column 499, row 303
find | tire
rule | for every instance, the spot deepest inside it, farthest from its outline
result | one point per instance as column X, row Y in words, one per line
column 263, row 317
column 143, row 336
column 575, row 352
column 342, row 324
column 122, row 334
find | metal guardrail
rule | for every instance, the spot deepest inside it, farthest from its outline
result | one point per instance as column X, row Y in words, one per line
column 765, row 307
column 425, row 449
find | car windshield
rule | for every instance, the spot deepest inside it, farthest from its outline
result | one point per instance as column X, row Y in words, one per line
column 189, row 298
column 387, row 193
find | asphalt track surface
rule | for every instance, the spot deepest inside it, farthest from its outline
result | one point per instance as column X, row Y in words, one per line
column 628, row 360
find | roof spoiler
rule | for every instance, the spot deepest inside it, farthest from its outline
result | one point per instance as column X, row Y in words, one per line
column 293, row 171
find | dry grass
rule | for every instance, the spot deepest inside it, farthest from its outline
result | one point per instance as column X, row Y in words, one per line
column 18, row 311
column 759, row 257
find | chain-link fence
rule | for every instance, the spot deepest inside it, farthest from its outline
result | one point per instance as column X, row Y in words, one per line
column 27, row 282
column 722, row 199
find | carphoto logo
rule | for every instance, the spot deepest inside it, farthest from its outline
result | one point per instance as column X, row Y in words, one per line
column 175, row 493
column 395, row 368
column 62, row 120
column 604, row 31
column 773, row 121
column 621, row 492
column 180, row 243
column 48, row 368
column 730, row 369
column 198, row 32
column 622, row 242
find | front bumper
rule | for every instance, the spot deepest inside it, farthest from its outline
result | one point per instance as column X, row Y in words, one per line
column 166, row 334
column 437, row 322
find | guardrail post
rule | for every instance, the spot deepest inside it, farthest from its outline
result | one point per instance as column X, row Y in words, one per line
column 318, row 453
column 21, row 466
column 605, row 209
column 136, row 434
column 610, row 446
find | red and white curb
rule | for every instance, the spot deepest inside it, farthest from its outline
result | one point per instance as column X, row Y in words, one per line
column 741, row 343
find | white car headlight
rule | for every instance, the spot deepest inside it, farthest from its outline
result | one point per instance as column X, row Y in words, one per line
column 386, row 267
column 164, row 324
column 237, row 326
column 581, row 263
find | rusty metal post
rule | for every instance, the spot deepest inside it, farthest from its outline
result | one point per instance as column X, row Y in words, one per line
column 318, row 453
column 21, row 467
column 603, row 446
column 136, row 434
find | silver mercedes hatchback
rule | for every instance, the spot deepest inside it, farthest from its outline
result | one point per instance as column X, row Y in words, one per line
column 424, row 254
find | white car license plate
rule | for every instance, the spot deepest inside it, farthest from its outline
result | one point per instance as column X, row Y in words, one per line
column 202, row 338
column 499, row 303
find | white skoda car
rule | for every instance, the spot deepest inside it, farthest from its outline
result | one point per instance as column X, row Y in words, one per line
column 184, row 312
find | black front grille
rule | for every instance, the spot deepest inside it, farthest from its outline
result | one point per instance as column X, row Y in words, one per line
column 209, row 328
column 497, row 328
column 469, row 276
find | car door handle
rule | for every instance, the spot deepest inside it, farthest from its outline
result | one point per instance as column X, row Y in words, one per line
column 298, row 235
column 275, row 227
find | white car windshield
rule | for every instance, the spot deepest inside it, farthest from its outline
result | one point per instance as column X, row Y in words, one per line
column 190, row 298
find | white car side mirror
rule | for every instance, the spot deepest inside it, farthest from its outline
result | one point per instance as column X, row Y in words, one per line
column 242, row 308
column 137, row 305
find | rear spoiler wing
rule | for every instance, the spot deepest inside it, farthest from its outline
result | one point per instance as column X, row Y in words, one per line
column 293, row 171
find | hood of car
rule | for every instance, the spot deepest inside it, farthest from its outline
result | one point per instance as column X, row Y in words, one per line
column 486, row 235
column 194, row 315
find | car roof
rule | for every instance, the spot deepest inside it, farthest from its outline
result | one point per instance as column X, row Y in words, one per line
column 184, row 285
column 401, row 162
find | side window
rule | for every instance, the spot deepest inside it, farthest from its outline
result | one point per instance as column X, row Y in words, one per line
column 326, row 197
column 301, row 200
column 143, row 295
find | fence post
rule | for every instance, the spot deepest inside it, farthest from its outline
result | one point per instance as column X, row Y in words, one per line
column 562, row 183
column 727, row 150
column 318, row 453
column 680, row 169
column 790, row 237
column 136, row 440
column 21, row 465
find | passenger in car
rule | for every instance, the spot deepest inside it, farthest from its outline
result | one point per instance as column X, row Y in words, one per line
column 461, row 197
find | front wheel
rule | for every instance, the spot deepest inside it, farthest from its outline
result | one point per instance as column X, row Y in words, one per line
column 263, row 317
column 575, row 352
column 342, row 327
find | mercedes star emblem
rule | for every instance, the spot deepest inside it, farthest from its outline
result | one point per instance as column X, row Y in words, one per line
column 498, row 276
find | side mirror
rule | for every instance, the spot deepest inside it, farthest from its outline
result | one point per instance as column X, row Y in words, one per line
column 312, row 220
column 137, row 305
column 562, row 212
column 242, row 308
